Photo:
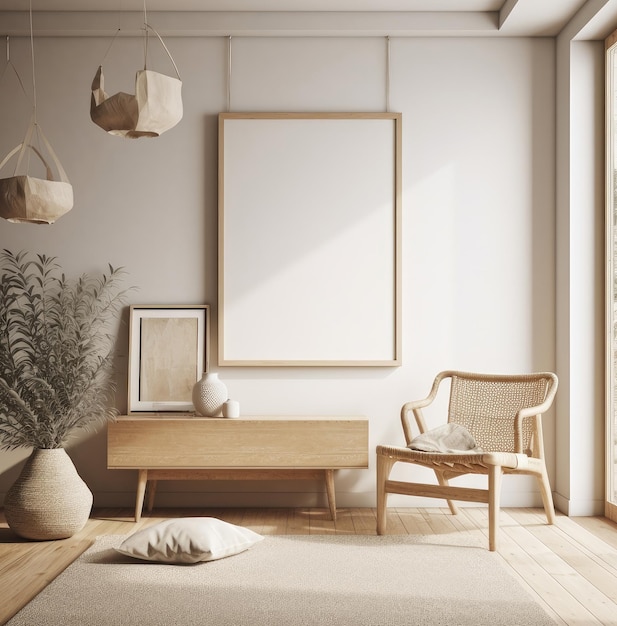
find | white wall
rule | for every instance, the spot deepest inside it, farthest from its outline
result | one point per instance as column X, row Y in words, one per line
column 478, row 218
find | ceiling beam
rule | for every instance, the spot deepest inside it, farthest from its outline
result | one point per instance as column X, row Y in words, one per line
column 253, row 24
column 506, row 11
column 539, row 18
column 596, row 20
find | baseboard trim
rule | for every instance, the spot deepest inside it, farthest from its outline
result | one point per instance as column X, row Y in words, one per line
column 578, row 508
column 317, row 499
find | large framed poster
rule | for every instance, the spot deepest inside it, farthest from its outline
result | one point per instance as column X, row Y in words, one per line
column 309, row 239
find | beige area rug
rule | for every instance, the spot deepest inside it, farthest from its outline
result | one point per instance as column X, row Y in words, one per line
column 292, row 581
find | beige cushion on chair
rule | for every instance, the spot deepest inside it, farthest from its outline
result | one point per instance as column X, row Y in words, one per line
column 446, row 438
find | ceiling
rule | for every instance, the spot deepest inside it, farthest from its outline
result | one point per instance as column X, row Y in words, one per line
column 255, row 5
column 396, row 17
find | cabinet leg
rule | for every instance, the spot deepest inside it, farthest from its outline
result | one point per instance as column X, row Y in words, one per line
column 151, row 494
column 329, row 476
column 142, row 480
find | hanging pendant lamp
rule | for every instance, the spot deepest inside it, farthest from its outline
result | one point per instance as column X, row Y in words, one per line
column 155, row 107
column 25, row 198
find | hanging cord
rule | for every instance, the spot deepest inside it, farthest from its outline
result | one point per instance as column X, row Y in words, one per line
column 388, row 74
column 145, row 39
column 32, row 57
column 109, row 46
column 9, row 63
column 146, row 36
column 229, row 75
column 33, row 127
column 148, row 28
column 113, row 39
column 34, row 112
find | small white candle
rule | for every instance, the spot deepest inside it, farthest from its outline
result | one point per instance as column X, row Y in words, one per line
column 231, row 408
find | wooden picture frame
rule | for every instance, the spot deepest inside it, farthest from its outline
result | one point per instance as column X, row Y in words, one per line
column 309, row 239
column 168, row 352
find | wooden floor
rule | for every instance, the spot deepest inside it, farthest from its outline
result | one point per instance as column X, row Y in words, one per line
column 571, row 567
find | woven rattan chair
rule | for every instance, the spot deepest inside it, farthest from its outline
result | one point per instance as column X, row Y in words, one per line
column 503, row 413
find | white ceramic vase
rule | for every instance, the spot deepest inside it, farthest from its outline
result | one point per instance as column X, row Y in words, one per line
column 49, row 500
column 209, row 395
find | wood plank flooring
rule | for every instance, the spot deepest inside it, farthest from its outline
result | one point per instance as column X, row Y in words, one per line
column 570, row 567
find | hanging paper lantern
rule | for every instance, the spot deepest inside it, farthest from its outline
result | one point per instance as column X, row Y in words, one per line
column 25, row 198
column 155, row 107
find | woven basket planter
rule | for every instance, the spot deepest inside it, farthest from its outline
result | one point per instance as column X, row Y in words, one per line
column 49, row 500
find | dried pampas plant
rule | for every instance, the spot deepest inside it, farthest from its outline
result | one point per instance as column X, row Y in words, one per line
column 56, row 349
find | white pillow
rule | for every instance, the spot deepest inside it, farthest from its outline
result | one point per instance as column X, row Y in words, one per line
column 189, row 540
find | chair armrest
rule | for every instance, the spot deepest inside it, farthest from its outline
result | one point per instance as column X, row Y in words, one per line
column 416, row 406
column 536, row 411
column 551, row 390
column 530, row 411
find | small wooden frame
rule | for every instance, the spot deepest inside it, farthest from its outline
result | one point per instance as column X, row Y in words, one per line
column 168, row 353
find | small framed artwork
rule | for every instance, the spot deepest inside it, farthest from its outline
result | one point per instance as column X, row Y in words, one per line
column 168, row 352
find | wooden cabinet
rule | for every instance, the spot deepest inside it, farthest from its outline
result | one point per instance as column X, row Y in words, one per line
column 169, row 447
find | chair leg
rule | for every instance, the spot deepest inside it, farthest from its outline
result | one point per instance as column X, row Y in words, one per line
column 384, row 466
column 494, row 492
column 443, row 481
column 547, row 496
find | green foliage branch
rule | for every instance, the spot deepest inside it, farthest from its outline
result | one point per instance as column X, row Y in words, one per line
column 56, row 349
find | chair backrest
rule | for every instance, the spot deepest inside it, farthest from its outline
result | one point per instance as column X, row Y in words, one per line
column 486, row 404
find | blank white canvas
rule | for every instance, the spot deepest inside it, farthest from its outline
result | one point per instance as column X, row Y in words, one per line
column 309, row 240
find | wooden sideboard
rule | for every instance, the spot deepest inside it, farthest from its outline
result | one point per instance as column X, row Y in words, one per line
column 185, row 447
